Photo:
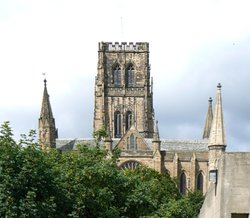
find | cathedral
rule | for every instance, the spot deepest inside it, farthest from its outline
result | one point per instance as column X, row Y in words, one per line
column 124, row 107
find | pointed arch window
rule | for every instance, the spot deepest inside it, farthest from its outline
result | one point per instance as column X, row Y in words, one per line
column 118, row 124
column 183, row 183
column 200, row 182
column 132, row 142
column 117, row 75
column 128, row 120
column 130, row 76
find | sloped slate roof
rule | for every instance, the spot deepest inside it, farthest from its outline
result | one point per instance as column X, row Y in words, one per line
column 181, row 145
column 184, row 145
column 169, row 145
column 71, row 144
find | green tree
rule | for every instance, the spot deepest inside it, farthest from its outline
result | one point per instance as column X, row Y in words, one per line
column 93, row 183
column 187, row 206
column 82, row 183
column 149, row 190
column 27, row 179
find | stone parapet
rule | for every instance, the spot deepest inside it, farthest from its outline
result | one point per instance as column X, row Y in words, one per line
column 124, row 46
column 120, row 91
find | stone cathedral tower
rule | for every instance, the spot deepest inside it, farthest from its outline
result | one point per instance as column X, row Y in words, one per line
column 123, row 91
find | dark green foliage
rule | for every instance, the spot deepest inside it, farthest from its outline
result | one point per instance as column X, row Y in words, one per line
column 82, row 183
column 149, row 190
column 28, row 185
column 94, row 184
column 183, row 207
column 100, row 134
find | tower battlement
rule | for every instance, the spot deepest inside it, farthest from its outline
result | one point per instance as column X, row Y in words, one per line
column 124, row 46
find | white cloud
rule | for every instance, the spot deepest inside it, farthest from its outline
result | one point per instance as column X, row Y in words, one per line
column 193, row 46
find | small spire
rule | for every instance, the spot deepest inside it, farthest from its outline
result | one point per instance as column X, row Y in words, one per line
column 46, row 110
column 156, row 132
column 217, row 134
column 47, row 129
column 209, row 120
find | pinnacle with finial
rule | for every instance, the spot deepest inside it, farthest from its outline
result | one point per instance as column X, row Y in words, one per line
column 209, row 120
column 46, row 110
column 217, row 134
column 156, row 132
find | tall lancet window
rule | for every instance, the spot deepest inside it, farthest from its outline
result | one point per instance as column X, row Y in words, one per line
column 128, row 120
column 200, row 182
column 117, row 75
column 183, row 183
column 130, row 76
column 132, row 142
column 118, row 124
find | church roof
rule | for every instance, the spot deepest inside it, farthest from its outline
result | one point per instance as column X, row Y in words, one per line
column 169, row 145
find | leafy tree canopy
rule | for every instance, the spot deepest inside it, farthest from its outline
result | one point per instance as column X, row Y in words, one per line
column 82, row 183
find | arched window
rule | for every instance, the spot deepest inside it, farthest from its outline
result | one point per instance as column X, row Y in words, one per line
column 128, row 120
column 132, row 143
column 117, row 75
column 118, row 124
column 200, row 182
column 130, row 76
column 130, row 165
column 183, row 183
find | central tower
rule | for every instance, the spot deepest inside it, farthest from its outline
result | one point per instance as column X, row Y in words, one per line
column 123, row 91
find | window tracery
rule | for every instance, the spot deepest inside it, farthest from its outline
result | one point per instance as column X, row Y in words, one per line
column 200, row 182
column 128, row 120
column 183, row 183
column 132, row 142
column 130, row 165
column 118, row 124
column 130, row 76
column 117, row 75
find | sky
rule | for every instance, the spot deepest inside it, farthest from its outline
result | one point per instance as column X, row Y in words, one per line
column 194, row 45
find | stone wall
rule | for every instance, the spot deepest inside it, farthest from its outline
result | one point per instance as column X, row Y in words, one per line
column 231, row 194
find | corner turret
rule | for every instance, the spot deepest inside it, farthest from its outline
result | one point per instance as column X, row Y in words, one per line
column 47, row 128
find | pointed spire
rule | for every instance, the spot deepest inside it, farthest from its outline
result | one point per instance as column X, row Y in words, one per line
column 217, row 134
column 209, row 120
column 156, row 132
column 47, row 128
column 46, row 111
column 156, row 139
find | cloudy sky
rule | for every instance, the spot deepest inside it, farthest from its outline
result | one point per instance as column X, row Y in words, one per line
column 193, row 45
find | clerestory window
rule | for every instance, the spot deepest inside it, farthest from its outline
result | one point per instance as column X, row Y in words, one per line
column 200, row 182
column 183, row 183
